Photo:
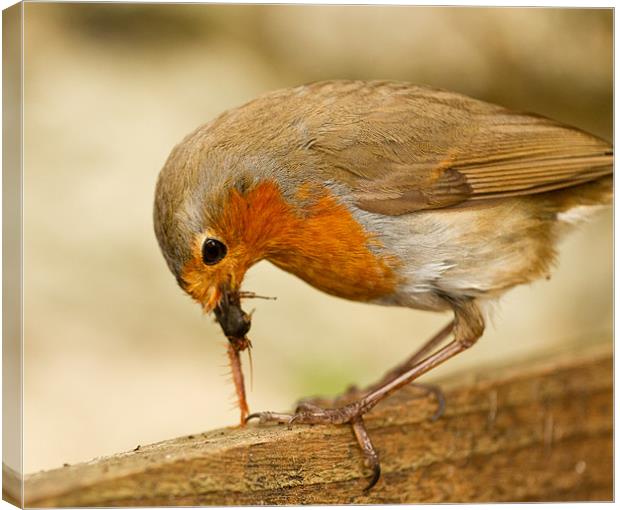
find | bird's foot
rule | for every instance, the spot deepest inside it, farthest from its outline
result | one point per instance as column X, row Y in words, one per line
column 353, row 393
column 310, row 413
column 347, row 408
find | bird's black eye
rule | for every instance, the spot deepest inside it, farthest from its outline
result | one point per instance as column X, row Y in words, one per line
column 213, row 251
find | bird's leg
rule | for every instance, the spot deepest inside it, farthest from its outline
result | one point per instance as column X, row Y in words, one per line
column 417, row 356
column 354, row 393
column 467, row 328
column 410, row 362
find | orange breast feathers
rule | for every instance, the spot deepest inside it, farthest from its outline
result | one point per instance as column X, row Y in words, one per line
column 319, row 241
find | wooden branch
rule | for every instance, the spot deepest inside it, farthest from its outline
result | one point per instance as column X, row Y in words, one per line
column 538, row 431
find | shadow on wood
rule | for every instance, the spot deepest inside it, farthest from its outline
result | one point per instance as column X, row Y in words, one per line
column 537, row 431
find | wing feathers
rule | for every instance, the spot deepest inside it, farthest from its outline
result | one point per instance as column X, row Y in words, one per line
column 532, row 190
column 405, row 148
column 435, row 149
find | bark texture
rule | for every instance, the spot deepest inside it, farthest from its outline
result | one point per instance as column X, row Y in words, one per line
column 539, row 430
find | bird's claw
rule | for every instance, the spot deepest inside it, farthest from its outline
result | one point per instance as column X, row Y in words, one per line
column 269, row 417
column 310, row 414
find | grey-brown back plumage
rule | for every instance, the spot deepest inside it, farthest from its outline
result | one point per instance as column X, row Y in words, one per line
column 397, row 148
column 404, row 148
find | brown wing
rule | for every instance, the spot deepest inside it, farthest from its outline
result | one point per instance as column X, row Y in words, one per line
column 405, row 148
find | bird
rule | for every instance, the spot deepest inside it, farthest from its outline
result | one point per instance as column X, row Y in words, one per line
column 380, row 192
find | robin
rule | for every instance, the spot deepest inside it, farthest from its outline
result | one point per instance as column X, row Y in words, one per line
column 381, row 192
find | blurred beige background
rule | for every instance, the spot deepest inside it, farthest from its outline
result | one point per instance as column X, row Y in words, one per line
column 116, row 355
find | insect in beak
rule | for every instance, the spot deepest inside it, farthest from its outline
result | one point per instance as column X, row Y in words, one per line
column 235, row 323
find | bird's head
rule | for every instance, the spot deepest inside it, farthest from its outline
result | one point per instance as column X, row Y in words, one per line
column 207, row 231
column 225, row 201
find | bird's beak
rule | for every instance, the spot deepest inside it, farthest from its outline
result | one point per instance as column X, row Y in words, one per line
column 234, row 321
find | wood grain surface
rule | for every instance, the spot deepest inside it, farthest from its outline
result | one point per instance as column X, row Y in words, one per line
column 539, row 430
